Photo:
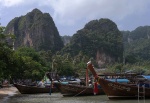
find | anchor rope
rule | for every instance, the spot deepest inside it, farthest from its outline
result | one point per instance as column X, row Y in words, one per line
column 80, row 92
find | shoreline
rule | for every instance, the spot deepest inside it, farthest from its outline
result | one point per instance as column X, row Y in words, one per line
column 6, row 92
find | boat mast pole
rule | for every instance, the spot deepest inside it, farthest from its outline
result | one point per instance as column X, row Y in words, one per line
column 87, row 78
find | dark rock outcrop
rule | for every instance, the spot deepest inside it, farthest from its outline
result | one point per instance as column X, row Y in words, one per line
column 99, row 39
column 37, row 30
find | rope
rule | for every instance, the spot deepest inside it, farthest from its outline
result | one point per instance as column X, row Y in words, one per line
column 80, row 92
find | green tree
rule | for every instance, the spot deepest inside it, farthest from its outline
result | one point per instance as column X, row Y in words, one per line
column 30, row 65
column 6, row 55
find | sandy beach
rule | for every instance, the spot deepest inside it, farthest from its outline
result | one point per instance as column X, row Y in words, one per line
column 6, row 92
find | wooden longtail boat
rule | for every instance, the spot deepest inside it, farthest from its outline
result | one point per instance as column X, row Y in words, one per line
column 116, row 90
column 77, row 90
column 24, row 89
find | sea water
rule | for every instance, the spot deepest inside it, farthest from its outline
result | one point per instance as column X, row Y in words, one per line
column 58, row 98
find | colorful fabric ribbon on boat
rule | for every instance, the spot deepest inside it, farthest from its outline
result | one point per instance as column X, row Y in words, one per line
column 95, row 88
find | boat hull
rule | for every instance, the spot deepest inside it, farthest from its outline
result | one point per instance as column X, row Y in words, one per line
column 116, row 90
column 23, row 89
column 77, row 90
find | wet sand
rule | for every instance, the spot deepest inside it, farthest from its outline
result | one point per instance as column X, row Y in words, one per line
column 6, row 92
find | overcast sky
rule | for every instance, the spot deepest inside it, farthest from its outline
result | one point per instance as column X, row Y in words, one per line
column 71, row 15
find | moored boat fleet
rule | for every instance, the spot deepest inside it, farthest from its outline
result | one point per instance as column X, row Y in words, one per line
column 115, row 86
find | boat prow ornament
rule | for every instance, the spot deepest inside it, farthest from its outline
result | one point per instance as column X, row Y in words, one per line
column 91, row 68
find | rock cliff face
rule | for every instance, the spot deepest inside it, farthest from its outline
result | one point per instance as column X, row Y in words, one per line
column 103, row 58
column 137, row 44
column 99, row 39
column 37, row 30
column 66, row 39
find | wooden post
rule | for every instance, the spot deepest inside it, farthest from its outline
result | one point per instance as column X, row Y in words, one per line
column 87, row 78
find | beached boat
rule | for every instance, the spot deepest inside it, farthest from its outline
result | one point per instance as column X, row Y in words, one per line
column 73, row 87
column 115, row 90
column 24, row 89
column 77, row 90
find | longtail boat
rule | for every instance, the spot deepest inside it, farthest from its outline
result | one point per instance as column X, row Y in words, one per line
column 24, row 89
column 116, row 90
column 77, row 90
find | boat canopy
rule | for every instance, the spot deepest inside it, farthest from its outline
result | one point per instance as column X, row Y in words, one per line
column 146, row 77
column 143, row 77
column 119, row 80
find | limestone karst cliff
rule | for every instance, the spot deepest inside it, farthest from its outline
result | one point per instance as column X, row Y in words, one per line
column 99, row 39
column 37, row 30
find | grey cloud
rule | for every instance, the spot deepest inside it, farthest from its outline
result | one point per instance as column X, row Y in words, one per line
column 73, row 14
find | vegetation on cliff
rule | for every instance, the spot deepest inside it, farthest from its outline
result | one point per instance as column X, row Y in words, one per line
column 39, row 48
column 137, row 45
column 37, row 30
column 97, row 36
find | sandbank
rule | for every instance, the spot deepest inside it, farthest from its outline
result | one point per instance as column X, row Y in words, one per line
column 7, row 91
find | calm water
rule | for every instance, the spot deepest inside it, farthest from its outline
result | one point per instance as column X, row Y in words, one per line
column 58, row 98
